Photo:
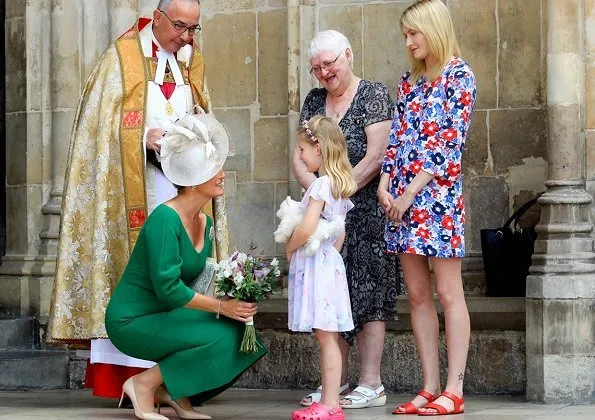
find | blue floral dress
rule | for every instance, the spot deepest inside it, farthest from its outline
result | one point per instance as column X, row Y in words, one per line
column 318, row 294
column 428, row 133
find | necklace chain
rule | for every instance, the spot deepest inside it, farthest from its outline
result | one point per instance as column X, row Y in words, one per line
column 339, row 112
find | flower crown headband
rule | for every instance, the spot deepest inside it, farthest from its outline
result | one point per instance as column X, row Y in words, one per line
column 309, row 132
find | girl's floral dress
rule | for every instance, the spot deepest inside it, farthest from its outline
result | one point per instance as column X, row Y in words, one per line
column 318, row 294
column 428, row 133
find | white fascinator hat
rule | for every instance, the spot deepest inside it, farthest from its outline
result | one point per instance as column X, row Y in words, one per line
column 193, row 150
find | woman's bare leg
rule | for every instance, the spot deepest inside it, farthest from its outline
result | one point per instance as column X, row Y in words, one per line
column 424, row 320
column 145, row 385
column 449, row 284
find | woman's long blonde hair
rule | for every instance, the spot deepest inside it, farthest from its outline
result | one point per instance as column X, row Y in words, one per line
column 431, row 17
column 327, row 134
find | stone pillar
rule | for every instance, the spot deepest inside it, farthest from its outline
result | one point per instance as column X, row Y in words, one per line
column 123, row 14
column 293, row 86
column 590, row 99
column 96, row 38
column 64, row 82
column 28, row 166
column 561, row 286
column 301, row 27
column 57, row 57
column 145, row 8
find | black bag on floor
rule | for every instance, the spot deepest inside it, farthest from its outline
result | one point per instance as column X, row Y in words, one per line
column 507, row 255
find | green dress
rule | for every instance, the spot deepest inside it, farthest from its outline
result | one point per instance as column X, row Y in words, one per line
column 198, row 354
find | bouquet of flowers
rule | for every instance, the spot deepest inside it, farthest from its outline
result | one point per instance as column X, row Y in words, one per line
column 245, row 277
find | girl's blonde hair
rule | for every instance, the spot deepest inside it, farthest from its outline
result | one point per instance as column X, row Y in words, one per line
column 431, row 17
column 327, row 134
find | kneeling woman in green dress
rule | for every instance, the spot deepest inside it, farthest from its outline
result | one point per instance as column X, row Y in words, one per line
column 153, row 314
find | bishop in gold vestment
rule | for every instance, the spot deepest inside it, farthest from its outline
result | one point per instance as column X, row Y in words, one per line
column 110, row 187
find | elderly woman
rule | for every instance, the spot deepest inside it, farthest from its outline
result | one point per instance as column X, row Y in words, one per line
column 364, row 111
column 154, row 314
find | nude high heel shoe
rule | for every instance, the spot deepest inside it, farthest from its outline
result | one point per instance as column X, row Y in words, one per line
column 128, row 389
column 162, row 396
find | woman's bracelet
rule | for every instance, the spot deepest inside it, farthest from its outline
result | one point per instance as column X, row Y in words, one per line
column 218, row 308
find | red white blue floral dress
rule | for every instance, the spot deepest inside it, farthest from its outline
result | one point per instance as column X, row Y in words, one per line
column 428, row 133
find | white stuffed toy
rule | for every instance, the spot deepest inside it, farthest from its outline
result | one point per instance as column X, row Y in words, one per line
column 291, row 215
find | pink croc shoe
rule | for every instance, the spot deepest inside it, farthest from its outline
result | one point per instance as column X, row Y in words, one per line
column 318, row 412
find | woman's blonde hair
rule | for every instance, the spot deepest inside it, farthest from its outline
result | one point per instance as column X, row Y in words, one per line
column 327, row 134
column 431, row 17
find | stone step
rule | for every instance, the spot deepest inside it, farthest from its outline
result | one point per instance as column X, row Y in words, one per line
column 19, row 333
column 486, row 313
column 496, row 362
column 34, row 369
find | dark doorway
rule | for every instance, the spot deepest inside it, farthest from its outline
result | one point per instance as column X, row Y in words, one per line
column 2, row 134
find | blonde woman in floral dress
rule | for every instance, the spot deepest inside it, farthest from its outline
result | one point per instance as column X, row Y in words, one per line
column 421, row 191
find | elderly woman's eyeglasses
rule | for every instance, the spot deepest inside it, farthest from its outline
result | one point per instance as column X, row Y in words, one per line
column 325, row 65
column 180, row 27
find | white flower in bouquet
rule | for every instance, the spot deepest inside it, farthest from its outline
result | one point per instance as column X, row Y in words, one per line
column 226, row 271
column 238, row 279
column 250, row 279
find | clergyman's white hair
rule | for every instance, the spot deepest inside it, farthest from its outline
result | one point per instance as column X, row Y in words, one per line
column 164, row 3
column 329, row 40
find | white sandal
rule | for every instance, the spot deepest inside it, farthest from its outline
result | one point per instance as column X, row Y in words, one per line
column 364, row 397
column 316, row 396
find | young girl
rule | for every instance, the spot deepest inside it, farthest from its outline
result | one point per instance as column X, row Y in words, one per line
column 318, row 294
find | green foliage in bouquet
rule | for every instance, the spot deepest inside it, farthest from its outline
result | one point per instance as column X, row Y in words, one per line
column 245, row 277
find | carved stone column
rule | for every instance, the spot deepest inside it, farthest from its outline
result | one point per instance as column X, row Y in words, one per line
column 123, row 14
column 71, row 64
column 63, row 85
column 64, row 39
column 301, row 23
column 561, row 287
column 29, row 164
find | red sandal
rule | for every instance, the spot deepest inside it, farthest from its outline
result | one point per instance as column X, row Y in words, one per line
column 318, row 412
column 410, row 408
column 458, row 408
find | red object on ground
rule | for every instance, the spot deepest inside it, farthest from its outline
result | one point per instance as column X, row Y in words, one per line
column 107, row 380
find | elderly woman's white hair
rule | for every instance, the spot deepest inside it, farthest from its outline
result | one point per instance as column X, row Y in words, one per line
column 329, row 40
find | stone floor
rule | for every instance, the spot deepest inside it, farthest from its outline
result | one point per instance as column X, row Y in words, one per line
column 266, row 405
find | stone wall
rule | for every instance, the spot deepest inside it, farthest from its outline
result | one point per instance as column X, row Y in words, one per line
column 246, row 48
column 496, row 363
column 245, row 44
column 257, row 72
